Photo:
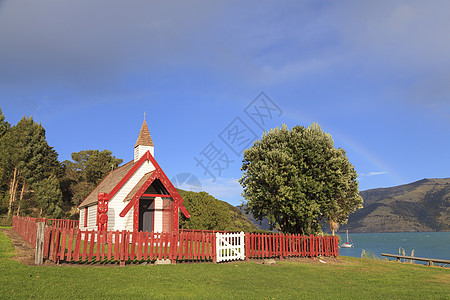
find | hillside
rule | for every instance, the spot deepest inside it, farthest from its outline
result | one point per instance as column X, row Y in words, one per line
column 419, row 206
column 209, row 213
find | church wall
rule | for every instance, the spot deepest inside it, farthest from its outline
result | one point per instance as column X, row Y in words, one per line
column 92, row 218
column 116, row 204
column 81, row 220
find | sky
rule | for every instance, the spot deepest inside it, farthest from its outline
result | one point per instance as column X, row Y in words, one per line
column 212, row 76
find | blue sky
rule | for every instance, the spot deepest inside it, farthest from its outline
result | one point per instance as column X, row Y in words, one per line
column 374, row 74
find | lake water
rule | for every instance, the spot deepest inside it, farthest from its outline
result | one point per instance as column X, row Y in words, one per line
column 424, row 244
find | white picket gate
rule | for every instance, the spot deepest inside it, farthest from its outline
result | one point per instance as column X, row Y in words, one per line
column 230, row 246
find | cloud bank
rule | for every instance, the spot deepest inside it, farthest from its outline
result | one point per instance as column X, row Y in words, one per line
column 101, row 46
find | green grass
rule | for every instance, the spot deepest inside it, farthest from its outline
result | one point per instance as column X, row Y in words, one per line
column 353, row 278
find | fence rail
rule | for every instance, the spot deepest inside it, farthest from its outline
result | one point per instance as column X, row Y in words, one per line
column 73, row 245
column 57, row 223
column 67, row 224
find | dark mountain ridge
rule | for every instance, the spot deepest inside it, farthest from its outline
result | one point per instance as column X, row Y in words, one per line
column 423, row 205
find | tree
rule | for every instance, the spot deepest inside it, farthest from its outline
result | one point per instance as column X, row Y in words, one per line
column 48, row 197
column 27, row 159
column 4, row 127
column 298, row 180
column 85, row 172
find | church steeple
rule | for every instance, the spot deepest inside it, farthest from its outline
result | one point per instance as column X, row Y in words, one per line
column 144, row 143
column 144, row 138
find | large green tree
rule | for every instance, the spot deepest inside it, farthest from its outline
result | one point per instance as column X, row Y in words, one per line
column 86, row 171
column 27, row 159
column 299, row 180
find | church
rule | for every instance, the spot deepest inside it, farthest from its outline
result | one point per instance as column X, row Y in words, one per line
column 137, row 196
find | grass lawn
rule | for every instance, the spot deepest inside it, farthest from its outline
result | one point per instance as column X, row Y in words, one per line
column 351, row 278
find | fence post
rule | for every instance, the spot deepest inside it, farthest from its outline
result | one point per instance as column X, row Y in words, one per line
column 242, row 244
column 247, row 245
column 39, row 253
column 213, row 242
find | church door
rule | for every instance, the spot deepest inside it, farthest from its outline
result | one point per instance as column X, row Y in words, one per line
column 146, row 215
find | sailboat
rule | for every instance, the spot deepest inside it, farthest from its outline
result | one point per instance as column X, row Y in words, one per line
column 348, row 244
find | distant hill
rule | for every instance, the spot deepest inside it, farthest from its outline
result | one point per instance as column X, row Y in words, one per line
column 263, row 225
column 419, row 206
column 240, row 220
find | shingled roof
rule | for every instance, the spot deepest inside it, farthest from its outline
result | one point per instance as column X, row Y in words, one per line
column 107, row 185
column 144, row 138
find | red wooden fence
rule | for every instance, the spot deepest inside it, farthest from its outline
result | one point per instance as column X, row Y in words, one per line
column 261, row 245
column 26, row 227
column 72, row 245
column 79, row 246
column 57, row 223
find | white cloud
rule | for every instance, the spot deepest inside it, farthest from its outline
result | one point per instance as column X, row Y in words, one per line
column 225, row 189
column 373, row 174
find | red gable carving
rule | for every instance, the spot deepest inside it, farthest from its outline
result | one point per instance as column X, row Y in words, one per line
column 158, row 173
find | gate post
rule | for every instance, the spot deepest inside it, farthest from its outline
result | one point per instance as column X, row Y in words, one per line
column 242, row 244
column 39, row 253
column 218, row 248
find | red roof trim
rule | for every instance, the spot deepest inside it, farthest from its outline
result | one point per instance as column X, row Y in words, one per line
column 138, row 194
column 156, row 195
column 157, row 173
column 169, row 186
column 128, row 175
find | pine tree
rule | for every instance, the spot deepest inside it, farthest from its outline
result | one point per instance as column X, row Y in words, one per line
column 4, row 127
column 298, row 180
column 28, row 159
column 48, row 197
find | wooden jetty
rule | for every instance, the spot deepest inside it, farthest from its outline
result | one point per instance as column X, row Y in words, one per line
column 429, row 260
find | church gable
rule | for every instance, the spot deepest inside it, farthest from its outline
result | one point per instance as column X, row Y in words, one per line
column 163, row 183
column 155, row 188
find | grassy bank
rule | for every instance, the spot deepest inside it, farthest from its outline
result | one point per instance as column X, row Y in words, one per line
column 349, row 278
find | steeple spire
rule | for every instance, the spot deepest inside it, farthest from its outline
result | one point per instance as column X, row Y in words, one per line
column 144, row 138
column 144, row 142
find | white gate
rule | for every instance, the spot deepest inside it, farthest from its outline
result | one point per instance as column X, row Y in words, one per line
column 230, row 246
